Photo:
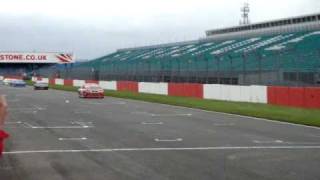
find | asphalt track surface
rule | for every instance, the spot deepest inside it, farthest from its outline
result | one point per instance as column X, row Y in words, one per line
column 57, row 136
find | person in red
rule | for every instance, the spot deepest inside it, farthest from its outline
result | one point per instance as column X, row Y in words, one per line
column 3, row 115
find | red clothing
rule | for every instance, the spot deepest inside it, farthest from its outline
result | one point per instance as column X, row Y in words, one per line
column 3, row 136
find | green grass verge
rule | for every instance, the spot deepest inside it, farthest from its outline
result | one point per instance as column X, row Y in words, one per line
column 309, row 117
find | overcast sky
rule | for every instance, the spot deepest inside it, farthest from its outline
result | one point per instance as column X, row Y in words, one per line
column 92, row 28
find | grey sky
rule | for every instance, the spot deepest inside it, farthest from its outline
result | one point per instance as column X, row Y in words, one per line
column 92, row 28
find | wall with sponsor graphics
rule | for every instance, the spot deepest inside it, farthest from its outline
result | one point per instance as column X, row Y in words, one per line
column 304, row 97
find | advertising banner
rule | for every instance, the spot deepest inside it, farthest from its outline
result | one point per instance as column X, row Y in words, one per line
column 56, row 58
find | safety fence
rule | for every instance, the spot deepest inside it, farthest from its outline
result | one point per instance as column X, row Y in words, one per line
column 307, row 97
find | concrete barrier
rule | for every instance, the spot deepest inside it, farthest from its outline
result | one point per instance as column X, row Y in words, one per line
column 59, row 81
column 108, row 85
column 46, row 80
column 153, row 88
column 127, row 86
column 212, row 91
column 258, row 94
column 78, row 83
column 255, row 94
column 68, row 82
column 233, row 93
column 306, row 97
column 185, row 90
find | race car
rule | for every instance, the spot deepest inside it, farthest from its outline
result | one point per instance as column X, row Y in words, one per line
column 40, row 85
column 91, row 90
column 17, row 83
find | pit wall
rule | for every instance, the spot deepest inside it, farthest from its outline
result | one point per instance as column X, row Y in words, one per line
column 304, row 97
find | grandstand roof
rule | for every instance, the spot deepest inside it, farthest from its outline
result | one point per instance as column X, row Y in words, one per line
column 309, row 22
column 289, row 23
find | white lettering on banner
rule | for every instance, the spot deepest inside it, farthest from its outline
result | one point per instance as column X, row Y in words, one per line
column 36, row 57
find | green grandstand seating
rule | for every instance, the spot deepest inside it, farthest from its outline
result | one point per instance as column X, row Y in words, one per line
column 298, row 51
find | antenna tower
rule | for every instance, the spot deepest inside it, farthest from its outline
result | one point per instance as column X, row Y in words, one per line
column 245, row 14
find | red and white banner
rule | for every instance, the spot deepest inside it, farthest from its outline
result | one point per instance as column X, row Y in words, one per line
column 15, row 57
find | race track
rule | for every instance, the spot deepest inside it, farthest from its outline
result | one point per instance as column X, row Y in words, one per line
column 57, row 136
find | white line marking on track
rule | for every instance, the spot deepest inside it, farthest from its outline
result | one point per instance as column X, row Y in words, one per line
column 61, row 127
column 312, row 135
column 159, row 115
column 168, row 140
column 236, row 115
column 20, row 109
column 169, row 115
column 56, row 127
column 73, row 139
column 13, row 100
column 139, row 112
column 166, row 149
column 103, row 103
column 82, row 112
column 39, row 108
column 284, row 142
column 267, row 142
column 9, row 122
column 152, row 123
column 223, row 124
column 81, row 123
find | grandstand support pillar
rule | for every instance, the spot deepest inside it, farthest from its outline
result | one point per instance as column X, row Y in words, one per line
column 179, row 70
column 278, row 66
column 189, row 70
column 300, row 57
column 171, row 71
column 244, row 68
column 149, row 76
column 112, row 71
column 197, row 78
column 318, row 70
column 136, row 71
column 231, row 69
column 161, row 71
column 126, row 65
column 207, row 69
column 260, row 57
column 217, row 73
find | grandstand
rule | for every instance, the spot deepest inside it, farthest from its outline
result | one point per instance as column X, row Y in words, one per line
column 281, row 52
